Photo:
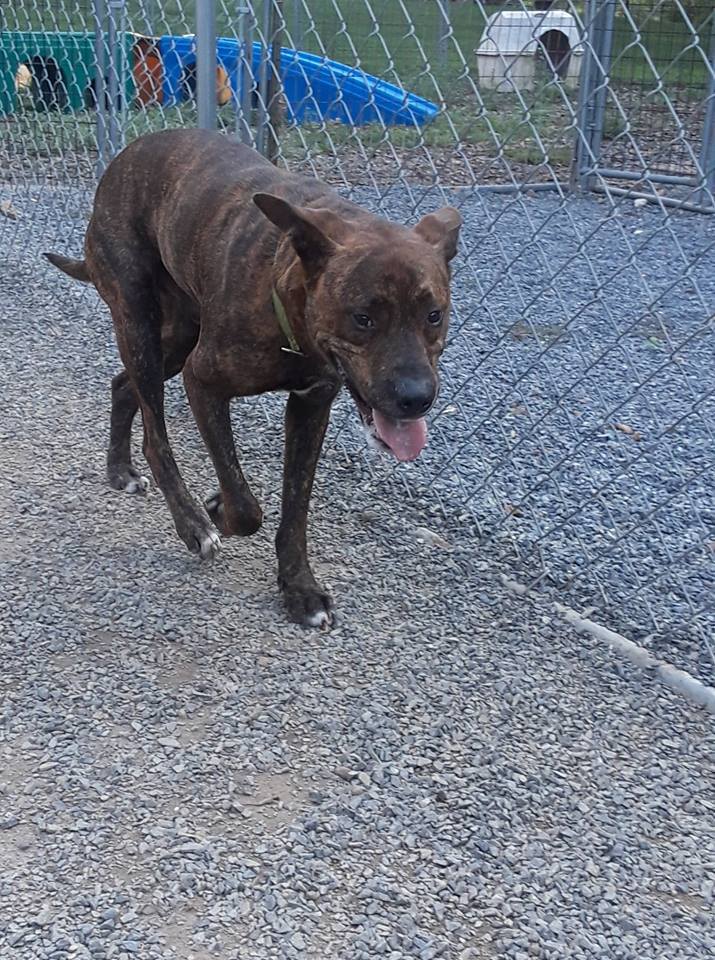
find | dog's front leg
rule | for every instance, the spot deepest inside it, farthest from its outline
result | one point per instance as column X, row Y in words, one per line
column 233, row 509
column 306, row 421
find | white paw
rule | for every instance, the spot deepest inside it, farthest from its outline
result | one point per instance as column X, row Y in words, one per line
column 210, row 545
column 137, row 485
column 320, row 619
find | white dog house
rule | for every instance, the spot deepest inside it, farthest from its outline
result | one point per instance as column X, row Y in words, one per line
column 513, row 42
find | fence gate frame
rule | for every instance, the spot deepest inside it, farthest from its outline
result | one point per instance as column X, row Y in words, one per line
column 588, row 174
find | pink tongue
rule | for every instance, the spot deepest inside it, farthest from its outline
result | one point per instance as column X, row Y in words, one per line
column 406, row 438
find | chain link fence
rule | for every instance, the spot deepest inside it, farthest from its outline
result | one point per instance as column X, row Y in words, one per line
column 574, row 439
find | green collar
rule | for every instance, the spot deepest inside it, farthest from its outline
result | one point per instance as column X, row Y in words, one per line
column 284, row 324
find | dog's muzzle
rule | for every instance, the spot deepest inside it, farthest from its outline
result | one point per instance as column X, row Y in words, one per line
column 404, row 438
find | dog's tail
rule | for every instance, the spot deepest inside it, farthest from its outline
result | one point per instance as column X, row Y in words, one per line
column 77, row 269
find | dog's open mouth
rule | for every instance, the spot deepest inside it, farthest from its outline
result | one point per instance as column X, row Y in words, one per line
column 404, row 439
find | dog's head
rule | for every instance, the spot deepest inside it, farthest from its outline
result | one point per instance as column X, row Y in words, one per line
column 377, row 307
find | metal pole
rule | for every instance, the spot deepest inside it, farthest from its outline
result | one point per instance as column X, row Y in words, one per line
column 297, row 31
column 583, row 107
column 598, row 22
column 150, row 9
column 555, row 185
column 610, row 173
column 115, row 40
column 606, row 55
column 652, row 198
column 206, row 64
column 707, row 154
column 99, row 16
column 444, row 30
column 245, row 74
column 262, row 119
column 275, row 84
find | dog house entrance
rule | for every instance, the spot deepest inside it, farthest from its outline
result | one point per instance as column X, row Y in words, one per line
column 48, row 87
column 554, row 50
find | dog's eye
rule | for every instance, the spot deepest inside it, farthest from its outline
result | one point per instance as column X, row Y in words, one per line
column 434, row 318
column 363, row 321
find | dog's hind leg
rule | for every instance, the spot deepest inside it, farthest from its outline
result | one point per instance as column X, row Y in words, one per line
column 234, row 509
column 121, row 472
column 136, row 322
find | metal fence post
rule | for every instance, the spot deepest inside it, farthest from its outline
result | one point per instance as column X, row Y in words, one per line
column 116, row 92
column 707, row 154
column 275, row 85
column 585, row 98
column 113, row 92
column 297, row 30
column 444, row 29
column 206, row 64
column 245, row 74
column 263, row 72
column 149, row 11
column 599, row 17
column 99, row 17
column 608, row 16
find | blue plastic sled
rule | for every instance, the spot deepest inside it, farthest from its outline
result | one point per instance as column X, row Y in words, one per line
column 314, row 87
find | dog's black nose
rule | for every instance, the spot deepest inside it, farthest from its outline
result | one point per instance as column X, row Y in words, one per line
column 415, row 395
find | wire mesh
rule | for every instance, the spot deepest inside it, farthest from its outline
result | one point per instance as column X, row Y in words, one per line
column 575, row 435
column 661, row 79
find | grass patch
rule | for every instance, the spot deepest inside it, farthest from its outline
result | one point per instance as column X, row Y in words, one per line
column 498, row 123
column 401, row 41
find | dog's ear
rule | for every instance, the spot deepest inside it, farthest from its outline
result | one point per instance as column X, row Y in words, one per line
column 314, row 233
column 441, row 229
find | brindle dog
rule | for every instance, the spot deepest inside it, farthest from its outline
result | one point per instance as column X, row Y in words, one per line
column 249, row 279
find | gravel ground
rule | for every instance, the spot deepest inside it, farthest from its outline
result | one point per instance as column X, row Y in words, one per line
column 452, row 772
column 576, row 425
